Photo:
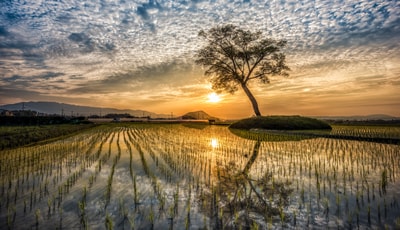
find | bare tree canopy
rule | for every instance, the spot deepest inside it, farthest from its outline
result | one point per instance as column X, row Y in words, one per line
column 233, row 57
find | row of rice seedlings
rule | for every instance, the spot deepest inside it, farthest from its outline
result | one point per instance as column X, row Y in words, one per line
column 173, row 210
column 367, row 131
column 335, row 172
column 160, row 192
column 328, row 171
column 128, row 138
column 107, row 195
column 88, row 157
column 82, row 209
column 36, row 173
column 314, row 168
column 157, row 187
column 185, row 154
column 74, row 174
column 107, row 135
column 40, row 178
column 19, row 171
column 123, row 211
column 110, row 178
column 52, row 161
column 100, row 159
column 136, row 139
column 181, row 160
column 324, row 172
column 188, row 208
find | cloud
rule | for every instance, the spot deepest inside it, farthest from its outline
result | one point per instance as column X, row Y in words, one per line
column 174, row 73
column 3, row 32
column 39, row 83
column 83, row 41
column 106, row 46
column 310, row 24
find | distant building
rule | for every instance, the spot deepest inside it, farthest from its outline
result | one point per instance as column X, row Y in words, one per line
column 24, row 113
column 6, row 113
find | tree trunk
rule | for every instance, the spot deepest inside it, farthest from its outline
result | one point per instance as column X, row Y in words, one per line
column 252, row 100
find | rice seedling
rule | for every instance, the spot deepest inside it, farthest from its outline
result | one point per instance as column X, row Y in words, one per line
column 109, row 225
column 37, row 218
column 82, row 214
column 132, row 223
column 49, row 202
column 11, row 217
column 136, row 193
column 123, row 211
column 109, row 183
column 384, row 181
column 151, row 218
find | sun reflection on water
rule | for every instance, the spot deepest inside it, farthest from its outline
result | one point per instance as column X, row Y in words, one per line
column 214, row 142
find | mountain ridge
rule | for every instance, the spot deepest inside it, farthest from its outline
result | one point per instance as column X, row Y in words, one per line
column 57, row 108
column 76, row 110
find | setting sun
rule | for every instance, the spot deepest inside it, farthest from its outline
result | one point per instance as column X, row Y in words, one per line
column 213, row 97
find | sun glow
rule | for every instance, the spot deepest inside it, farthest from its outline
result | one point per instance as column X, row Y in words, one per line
column 214, row 142
column 213, row 97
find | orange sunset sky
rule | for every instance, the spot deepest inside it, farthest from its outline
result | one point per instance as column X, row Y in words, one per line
column 344, row 55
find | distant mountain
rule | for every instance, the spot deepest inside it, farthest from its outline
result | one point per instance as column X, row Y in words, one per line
column 360, row 117
column 199, row 115
column 75, row 110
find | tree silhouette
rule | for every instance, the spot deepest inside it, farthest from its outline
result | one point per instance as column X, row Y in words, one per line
column 233, row 57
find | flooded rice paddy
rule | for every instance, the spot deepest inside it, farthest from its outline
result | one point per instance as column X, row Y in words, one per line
column 174, row 176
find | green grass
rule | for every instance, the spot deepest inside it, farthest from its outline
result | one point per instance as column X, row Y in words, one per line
column 281, row 123
column 15, row 136
column 267, row 135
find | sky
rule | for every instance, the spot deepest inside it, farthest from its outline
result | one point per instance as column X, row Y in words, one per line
column 344, row 55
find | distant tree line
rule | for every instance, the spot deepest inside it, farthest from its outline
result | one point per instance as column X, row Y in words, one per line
column 364, row 122
column 30, row 117
column 116, row 115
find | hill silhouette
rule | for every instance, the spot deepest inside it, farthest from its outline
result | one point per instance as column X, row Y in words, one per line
column 53, row 108
column 199, row 115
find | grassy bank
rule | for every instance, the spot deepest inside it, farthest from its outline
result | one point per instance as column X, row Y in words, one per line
column 281, row 123
column 15, row 136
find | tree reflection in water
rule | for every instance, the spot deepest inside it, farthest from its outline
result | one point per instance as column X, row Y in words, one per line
column 238, row 201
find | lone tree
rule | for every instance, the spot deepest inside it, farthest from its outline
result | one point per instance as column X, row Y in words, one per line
column 233, row 57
